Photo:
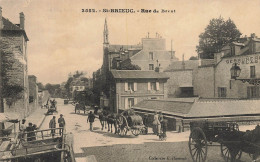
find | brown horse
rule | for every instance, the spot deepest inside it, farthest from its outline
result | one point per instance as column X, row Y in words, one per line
column 108, row 119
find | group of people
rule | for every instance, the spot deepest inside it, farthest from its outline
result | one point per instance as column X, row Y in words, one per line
column 27, row 132
column 52, row 124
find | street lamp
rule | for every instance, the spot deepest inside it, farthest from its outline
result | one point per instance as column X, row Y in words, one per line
column 235, row 71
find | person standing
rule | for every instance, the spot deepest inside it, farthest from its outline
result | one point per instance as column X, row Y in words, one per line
column 30, row 132
column 61, row 122
column 22, row 129
column 91, row 118
column 52, row 125
column 156, row 123
column 160, row 118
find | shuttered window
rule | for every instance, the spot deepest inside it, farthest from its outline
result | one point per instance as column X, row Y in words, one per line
column 222, row 92
column 253, row 92
column 252, row 71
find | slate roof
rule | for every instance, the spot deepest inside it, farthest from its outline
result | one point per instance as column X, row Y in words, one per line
column 135, row 74
column 9, row 26
column 177, row 65
column 117, row 48
column 225, row 108
column 179, row 108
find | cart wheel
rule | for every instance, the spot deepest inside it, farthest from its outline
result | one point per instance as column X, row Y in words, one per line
column 198, row 145
column 135, row 132
column 226, row 154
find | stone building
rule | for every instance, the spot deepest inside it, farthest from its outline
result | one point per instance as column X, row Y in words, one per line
column 128, row 87
column 14, row 67
column 214, row 80
column 33, row 93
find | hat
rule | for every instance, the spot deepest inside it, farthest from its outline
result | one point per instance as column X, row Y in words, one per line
column 30, row 123
column 23, row 120
column 61, row 115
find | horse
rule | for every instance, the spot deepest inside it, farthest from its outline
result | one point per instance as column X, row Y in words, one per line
column 112, row 119
column 103, row 119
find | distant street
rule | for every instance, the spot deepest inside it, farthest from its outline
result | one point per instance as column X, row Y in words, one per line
column 108, row 147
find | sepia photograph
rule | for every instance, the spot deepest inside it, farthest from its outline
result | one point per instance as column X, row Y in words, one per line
column 129, row 81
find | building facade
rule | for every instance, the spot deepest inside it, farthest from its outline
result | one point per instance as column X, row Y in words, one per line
column 14, row 66
column 129, row 87
column 214, row 80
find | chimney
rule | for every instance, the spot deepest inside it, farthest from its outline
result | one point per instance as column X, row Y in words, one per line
column 1, row 21
column 253, row 35
column 183, row 63
column 22, row 20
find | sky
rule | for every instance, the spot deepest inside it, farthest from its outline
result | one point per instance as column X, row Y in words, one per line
column 63, row 39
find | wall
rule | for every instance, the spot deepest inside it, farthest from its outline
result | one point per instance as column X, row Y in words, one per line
column 33, row 93
column 180, row 78
column 17, row 74
column 153, row 44
column 204, row 82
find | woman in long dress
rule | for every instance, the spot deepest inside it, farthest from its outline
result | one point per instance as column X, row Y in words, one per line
column 156, row 123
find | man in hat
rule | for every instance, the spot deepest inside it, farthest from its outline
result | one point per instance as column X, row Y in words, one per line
column 52, row 124
column 30, row 132
column 91, row 118
column 61, row 122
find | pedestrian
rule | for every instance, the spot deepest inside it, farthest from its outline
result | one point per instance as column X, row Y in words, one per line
column 164, row 129
column 30, row 132
column 52, row 125
column 61, row 122
column 22, row 130
column 160, row 118
column 156, row 123
column 91, row 118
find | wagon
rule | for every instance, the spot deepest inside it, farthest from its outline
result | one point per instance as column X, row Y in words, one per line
column 44, row 148
column 232, row 142
column 80, row 106
column 129, row 121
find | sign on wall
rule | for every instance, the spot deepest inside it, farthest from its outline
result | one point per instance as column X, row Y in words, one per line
column 244, row 60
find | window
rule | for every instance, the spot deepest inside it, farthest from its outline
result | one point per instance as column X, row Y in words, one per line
column 131, row 102
column 151, row 67
column 252, row 71
column 253, row 92
column 222, row 92
column 130, row 86
column 151, row 55
column 153, row 85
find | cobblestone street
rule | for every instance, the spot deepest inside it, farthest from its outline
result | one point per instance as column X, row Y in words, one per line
column 108, row 147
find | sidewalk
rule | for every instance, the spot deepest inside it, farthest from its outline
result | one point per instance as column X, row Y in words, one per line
column 37, row 117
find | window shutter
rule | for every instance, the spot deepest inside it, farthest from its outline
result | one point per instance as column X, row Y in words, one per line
column 149, row 86
column 135, row 101
column 157, row 86
column 257, row 91
column 126, row 86
column 135, row 86
column 126, row 103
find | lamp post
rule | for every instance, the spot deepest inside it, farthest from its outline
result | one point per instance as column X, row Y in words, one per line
column 235, row 73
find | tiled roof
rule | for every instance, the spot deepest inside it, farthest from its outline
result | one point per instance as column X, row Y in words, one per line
column 180, row 108
column 9, row 26
column 133, row 74
column 178, row 65
column 224, row 108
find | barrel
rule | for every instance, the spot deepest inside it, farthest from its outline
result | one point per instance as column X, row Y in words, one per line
column 134, row 120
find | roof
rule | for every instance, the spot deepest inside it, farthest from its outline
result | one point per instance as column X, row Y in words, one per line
column 134, row 74
column 225, row 108
column 178, row 65
column 9, row 26
column 117, row 48
column 180, row 108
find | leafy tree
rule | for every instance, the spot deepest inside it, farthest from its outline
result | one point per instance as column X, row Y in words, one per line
column 217, row 34
column 193, row 58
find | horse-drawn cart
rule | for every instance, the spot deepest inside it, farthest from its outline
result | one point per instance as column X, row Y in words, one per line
column 129, row 121
column 232, row 141
column 45, row 147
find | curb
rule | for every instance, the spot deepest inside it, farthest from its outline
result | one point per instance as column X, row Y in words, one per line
column 41, row 121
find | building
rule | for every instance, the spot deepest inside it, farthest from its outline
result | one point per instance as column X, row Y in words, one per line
column 128, row 87
column 181, row 74
column 15, row 90
column 33, row 93
column 214, row 80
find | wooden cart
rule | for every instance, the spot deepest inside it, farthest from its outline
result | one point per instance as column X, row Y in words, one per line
column 232, row 142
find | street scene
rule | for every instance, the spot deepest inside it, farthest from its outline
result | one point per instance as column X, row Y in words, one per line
column 129, row 81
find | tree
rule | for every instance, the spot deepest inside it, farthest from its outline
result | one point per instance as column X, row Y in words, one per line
column 193, row 58
column 127, row 65
column 217, row 34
